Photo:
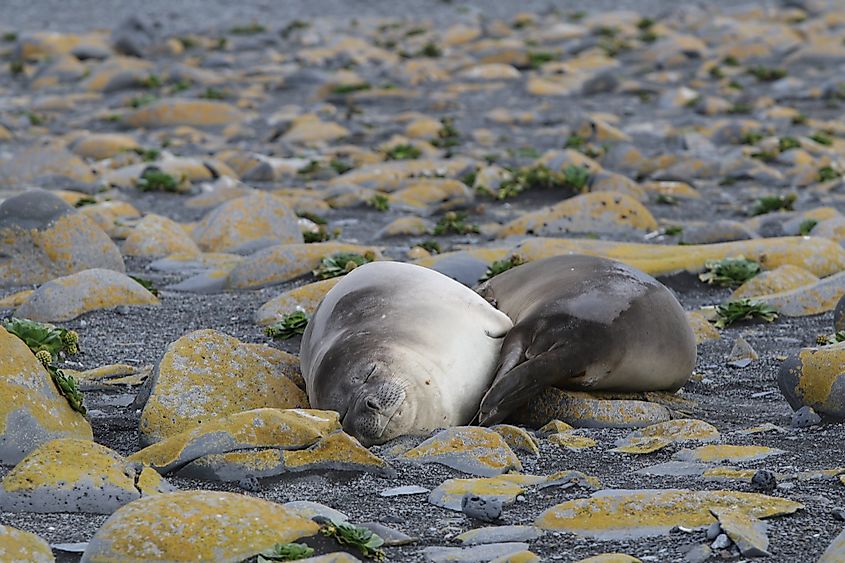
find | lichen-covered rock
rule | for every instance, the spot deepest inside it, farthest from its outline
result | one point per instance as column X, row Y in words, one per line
column 487, row 552
column 68, row 297
column 657, row 436
column 702, row 328
column 517, row 438
column 43, row 238
column 156, row 236
column 246, row 224
column 111, row 216
column 284, row 262
column 499, row 534
column 305, row 298
column 429, row 195
column 49, row 165
column 746, row 531
column 196, row 113
column 388, row 176
column 815, row 377
column 589, row 410
column 98, row 146
column 32, row 411
column 810, row 299
column 450, row 493
column 470, row 449
column 196, row 525
column 339, row 452
column 718, row 453
column 835, row 552
column 626, row 514
column 71, row 475
column 206, row 374
column 599, row 212
column 783, row 278
column 17, row 545
column 414, row 226
column 610, row 558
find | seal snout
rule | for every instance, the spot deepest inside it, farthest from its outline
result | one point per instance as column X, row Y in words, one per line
column 371, row 412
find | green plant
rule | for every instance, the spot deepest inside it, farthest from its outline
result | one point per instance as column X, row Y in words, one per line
column 69, row 388
column 349, row 88
column 293, row 26
column 310, row 168
column 503, row 265
column 673, row 230
column 340, row 166
column 666, row 199
column 469, row 178
column 146, row 284
column 285, row 552
column 730, row 272
column 536, row 59
column 827, row 173
column 540, row 176
column 740, row 108
column 730, row 60
column 447, row 135
column 430, row 50
column 248, row 29
column 147, row 155
column 142, row 100
column 787, row 143
column 10, row 36
column 648, row 36
column 320, row 235
column 16, row 67
column 154, row 179
column 743, row 310
column 288, row 327
column 767, row 74
column 405, row 151
column 313, row 217
column 187, row 42
column 822, row 138
column 806, row 226
column 35, row 119
column 645, row 23
column 836, row 337
column 341, row 263
column 574, row 142
column 379, row 202
column 368, row 543
column 213, row 94
column 769, row 203
column 751, row 137
column 431, row 246
column 454, row 222
column 717, row 72
column 799, row 119
column 152, row 81
column 85, row 200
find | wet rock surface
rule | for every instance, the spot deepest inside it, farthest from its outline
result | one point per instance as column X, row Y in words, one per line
column 233, row 163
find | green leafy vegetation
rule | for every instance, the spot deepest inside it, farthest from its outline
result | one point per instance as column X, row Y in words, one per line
column 320, row 235
column 454, row 222
column 822, row 138
column 285, row 552
column 666, row 199
column 16, row 67
column 340, row 166
column 431, row 246
column 290, row 325
column 142, row 100
column 743, row 310
column 767, row 74
column 806, row 226
column 147, row 155
column 362, row 539
column 10, row 36
column 48, row 342
column 213, row 94
column 730, row 60
column 152, row 81
column 293, row 26
column 770, row 203
column 248, row 29
column 430, row 50
column 312, row 167
column 827, row 340
column 536, row 59
column 799, row 119
column 469, row 178
column 341, row 263
column 740, row 108
column 146, row 284
column 730, row 272
column 154, row 179
column 787, row 143
column 540, row 176
column 503, row 265
column 341, row 89
column 751, row 137
column 379, row 202
column 85, row 200
column 405, row 151
column 827, row 173
column 447, row 135
column 673, row 230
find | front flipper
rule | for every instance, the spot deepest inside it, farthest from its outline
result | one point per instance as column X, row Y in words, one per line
column 513, row 388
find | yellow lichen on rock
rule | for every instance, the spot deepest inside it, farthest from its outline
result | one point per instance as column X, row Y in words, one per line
column 196, row 113
column 702, row 328
column 197, row 525
column 470, row 449
column 17, row 545
column 156, row 236
column 572, row 441
column 304, row 298
column 338, row 450
column 782, row 278
column 517, row 438
column 814, row 377
column 725, row 452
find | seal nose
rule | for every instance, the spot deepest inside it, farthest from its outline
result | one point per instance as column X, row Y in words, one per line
column 373, row 403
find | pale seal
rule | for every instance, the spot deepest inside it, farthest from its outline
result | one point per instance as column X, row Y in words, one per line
column 400, row 349
column 585, row 323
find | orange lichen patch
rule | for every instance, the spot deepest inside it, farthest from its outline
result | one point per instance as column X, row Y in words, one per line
column 590, row 410
column 593, row 212
column 643, row 445
column 116, row 68
column 288, row 363
column 285, row 262
column 68, row 297
column 156, row 236
column 304, row 298
column 196, row 113
column 470, row 449
column 98, row 146
column 523, row 556
column 517, row 438
column 223, row 192
column 202, row 525
column 702, row 328
column 31, row 404
column 679, row 430
column 108, row 214
column 555, row 427
column 728, row 474
column 257, row 461
column 338, row 450
column 450, row 493
column 388, row 176
column 616, row 514
column 17, row 545
column 572, row 441
column 415, row 226
column 819, row 369
column 724, row 452
column 433, row 193
column 309, row 129
column 42, row 44
column 783, row 278
column 423, row 128
column 258, row 428
column 746, row 531
column 819, row 256
column 221, row 375
column 811, row 299
column 16, row 299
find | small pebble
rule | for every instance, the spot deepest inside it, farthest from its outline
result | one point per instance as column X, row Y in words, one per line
column 805, row 417
column 722, row 542
column 839, row 514
column 480, row 508
column 713, row 531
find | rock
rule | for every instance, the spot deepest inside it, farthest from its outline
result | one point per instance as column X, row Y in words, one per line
column 499, row 534
column 839, row 315
column 723, row 452
column 713, row 531
column 572, row 440
column 17, row 545
column 156, row 237
column 481, row 508
column 210, row 525
column 462, row 267
column 51, row 165
column 44, row 239
column 742, row 352
column 517, row 438
column 98, row 146
column 781, row 279
column 427, row 196
column 305, row 298
column 747, row 532
column 308, row 510
column 702, row 328
column 476, row 554
column 815, row 377
column 599, row 212
column 309, row 130
column 221, row 375
column 336, row 452
column 111, row 216
column 134, row 36
column 764, row 480
column 722, row 541
column 451, row 493
column 246, row 224
column 68, row 297
column 810, row 299
column 835, row 552
column 407, row 226
column 391, row 536
column 805, row 417
column 610, row 558
column 658, row 436
column 404, row 490
column 590, row 410
column 618, row 514
column 32, row 412
column 72, row 475
column 469, row 449
column 195, row 113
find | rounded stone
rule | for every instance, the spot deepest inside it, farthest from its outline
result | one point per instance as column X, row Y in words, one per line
column 815, row 378
column 764, row 480
column 156, row 236
column 17, row 545
column 481, row 508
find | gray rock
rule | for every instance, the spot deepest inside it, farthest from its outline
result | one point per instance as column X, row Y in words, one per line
column 805, row 417
column 718, row 231
column 463, row 268
column 764, row 480
column 34, row 209
column 404, row 490
column 486, row 509
column 713, row 531
column 135, row 36
column 722, row 542
column 839, row 315
column 499, row 534
column 391, row 536
column 477, row 554
column 698, row 554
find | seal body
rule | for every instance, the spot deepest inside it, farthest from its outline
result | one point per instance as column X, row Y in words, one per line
column 585, row 323
column 400, row 349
